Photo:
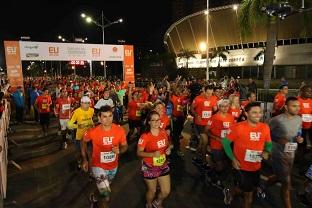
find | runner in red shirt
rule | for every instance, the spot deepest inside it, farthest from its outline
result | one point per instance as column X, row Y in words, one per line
column 279, row 100
column 62, row 110
column 251, row 97
column 178, row 119
column 305, row 112
column 203, row 107
column 218, row 128
column 164, row 119
column 108, row 142
column 43, row 103
column 153, row 147
column 135, row 107
column 252, row 142
column 234, row 108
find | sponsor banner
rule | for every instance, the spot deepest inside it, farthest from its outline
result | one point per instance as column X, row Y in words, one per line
column 284, row 55
column 31, row 51
column 13, row 63
column 128, row 64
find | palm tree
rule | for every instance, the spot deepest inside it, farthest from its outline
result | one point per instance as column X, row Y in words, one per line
column 251, row 13
column 220, row 53
column 186, row 54
column 259, row 54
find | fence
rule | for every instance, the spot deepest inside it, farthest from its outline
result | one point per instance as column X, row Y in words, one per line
column 261, row 94
column 4, row 127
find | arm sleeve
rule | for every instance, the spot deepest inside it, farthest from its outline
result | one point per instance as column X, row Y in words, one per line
column 71, row 122
column 268, row 146
column 227, row 148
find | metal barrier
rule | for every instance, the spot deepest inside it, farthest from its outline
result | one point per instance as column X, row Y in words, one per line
column 4, row 127
column 261, row 94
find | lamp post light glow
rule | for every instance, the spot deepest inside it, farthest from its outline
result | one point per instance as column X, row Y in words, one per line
column 235, row 7
column 102, row 25
column 202, row 46
column 60, row 37
column 89, row 19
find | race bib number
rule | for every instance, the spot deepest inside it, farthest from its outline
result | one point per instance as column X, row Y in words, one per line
column 206, row 114
column 223, row 133
column 290, row 147
column 306, row 117
column 179, row 108
column 253, row 156
column 44, row 106
column 159, row 161
column 65, row 107
column 138, row 113
column 309, row 173
column 107, row 157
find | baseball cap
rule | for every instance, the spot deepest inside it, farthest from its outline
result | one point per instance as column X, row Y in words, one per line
column 85, row 99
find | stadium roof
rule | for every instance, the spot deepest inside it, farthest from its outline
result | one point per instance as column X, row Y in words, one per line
column 224, row 30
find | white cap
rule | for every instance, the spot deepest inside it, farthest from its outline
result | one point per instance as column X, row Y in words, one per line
column 85, row 99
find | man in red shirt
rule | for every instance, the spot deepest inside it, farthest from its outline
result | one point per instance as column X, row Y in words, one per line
column 252, row 142
column 178, row 119
column 305, row 112
column 108, row 142
column 63, row 109
column 43, row 103
column 203, row 107
column 279, row 100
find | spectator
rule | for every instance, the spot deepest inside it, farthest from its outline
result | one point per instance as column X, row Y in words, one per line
column 252, row 86
column 284, row 81
column 18, row 99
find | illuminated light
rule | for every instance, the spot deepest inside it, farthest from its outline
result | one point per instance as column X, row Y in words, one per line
column 202, row 46
column 235, row 7
column 89, row 19
column 206, row 12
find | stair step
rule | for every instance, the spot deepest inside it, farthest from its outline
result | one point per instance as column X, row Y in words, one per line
column 35, row 143
column 22, row 154
column 31, row 136
column 40, row 174
column 31, row 127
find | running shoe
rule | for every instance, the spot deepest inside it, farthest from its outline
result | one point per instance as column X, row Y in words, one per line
column 227, row 196
column 156, row 204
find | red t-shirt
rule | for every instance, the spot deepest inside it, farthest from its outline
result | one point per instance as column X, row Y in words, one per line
column 134, row 112
column 102, row 144
column 164, row 121
column 43, row 103
column 249, row 143
column 306, row 112
column 279, row 102
column 244, row 103
column 177, row 106
column 152, row 143
column 63, row 107
column 204, row 107
column 219, row 126
column 235, row 112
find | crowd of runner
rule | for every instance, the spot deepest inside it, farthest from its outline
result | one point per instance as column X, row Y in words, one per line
column 229, row 134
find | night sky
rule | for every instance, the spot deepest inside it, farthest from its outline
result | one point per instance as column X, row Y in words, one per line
column 45, row 21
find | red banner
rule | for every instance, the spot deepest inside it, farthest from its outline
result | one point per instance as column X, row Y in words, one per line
column 128, row 64
column 13, row 63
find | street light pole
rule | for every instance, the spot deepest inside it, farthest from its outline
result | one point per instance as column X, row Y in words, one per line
column 103, row 36
column 103, row 26
column 207, row 44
